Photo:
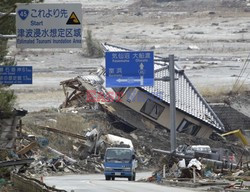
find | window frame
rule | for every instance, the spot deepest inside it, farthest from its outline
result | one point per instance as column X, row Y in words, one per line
column 186, row 125
column 155, row 104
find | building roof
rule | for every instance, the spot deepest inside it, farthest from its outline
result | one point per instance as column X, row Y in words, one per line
column 188, row 98
column 231, row 118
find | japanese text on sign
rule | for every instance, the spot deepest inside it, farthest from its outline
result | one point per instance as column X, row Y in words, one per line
column 49, row 25
column 49, row 13
column 15, row 75
column 129, row 69
column 69, row 32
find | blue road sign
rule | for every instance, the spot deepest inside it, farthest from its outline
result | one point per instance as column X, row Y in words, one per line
column 15, row 75
column 129, row 69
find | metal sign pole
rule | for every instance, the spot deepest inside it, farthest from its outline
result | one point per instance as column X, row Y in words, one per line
column 172, row 104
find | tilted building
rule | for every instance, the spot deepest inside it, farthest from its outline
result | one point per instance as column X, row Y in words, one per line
column 148, row 107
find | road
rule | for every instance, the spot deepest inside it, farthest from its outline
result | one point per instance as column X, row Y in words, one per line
column 97, row 183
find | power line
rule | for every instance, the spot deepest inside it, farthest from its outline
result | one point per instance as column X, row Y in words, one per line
column 241, row 72
column 243, row 81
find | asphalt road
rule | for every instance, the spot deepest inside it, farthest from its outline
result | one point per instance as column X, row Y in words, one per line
column 97, row 183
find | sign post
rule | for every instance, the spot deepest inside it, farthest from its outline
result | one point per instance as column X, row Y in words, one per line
column 172, row 117
column 172, row 104
column 129, row 69
column 49, row 25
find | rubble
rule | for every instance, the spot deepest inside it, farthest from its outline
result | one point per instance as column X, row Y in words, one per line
column 9, row 128
column 201, row 174
column 75, row 151
column 195, row 163
column 57, row 150
column 87, row 153
column 59, row 163
column 193, row 47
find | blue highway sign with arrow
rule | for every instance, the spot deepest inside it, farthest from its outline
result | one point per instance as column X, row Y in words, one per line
column 129, row 69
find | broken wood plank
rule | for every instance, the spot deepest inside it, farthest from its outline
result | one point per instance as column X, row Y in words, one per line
column 63, row 155
column 232, row 178
column 27, row 148
column 61, row 132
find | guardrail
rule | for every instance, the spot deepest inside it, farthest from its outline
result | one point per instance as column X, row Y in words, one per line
column 2, row 15
column 7, row 36
column 9, row 14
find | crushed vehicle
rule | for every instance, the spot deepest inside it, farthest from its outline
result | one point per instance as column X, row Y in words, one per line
column 191, row 150
column 221, row 158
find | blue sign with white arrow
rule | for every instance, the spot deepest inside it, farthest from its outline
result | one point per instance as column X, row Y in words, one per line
column 129, row 69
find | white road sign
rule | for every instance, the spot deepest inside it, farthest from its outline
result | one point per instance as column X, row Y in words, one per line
column 49, row 25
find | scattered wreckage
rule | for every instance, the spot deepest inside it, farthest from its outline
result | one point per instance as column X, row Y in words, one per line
column 194, row 160
column 219, row 157
column 48, row 161
column 122, row 105
column 31, row 157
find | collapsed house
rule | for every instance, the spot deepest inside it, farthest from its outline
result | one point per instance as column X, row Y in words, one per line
column 146, row 107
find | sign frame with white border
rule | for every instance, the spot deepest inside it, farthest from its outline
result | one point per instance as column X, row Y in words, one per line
column 15, row 75
column 49, row 25
column 129, row 68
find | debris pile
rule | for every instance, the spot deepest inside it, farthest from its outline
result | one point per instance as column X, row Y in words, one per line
column 199, row 172
column 51, row 150
column 61, row 165
column 91, row 141
column 30, row 153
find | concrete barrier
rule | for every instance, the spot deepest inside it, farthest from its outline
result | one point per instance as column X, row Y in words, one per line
column 25, row 184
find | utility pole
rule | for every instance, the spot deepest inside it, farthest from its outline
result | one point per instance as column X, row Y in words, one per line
column 171, row 78
column 172, row 104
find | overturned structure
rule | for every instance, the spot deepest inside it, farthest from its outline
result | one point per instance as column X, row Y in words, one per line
column 146, row 107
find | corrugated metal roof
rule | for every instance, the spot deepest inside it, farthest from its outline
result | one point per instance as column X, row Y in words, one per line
column 93, row 79
column 188, row 98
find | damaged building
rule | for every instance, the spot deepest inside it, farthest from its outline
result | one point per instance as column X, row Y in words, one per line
column 146, row 107
column 10, row 128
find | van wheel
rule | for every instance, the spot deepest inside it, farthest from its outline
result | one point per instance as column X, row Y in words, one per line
column 132, row 178
column 113, row 178
column 107, row 177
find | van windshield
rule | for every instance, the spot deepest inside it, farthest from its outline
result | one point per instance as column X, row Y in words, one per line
column 118, row 154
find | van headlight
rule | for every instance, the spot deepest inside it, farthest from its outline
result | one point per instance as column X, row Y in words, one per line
column 127, row 169
column 108, row 169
